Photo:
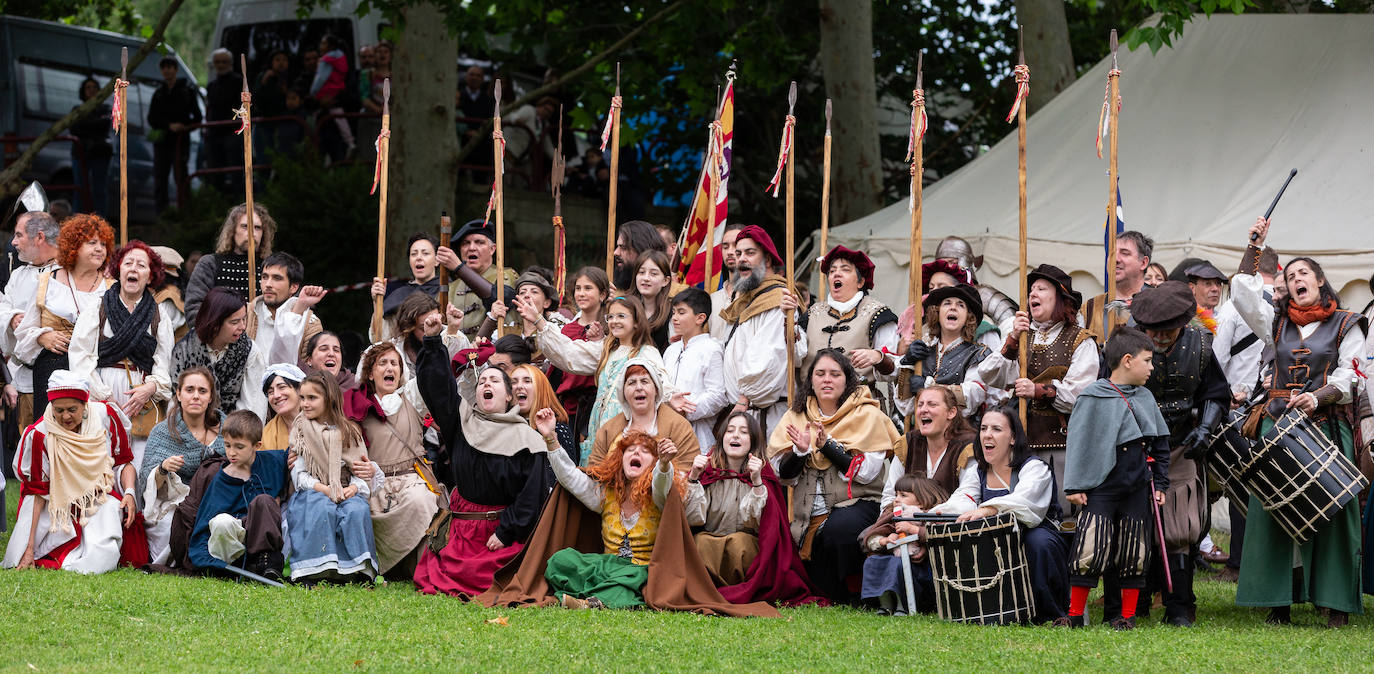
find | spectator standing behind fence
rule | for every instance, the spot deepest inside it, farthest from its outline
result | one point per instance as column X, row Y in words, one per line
column 269, row 100
column 330, row 82
column 222, row 147
column 92, row 151
column 370, row 82
column 172, row 108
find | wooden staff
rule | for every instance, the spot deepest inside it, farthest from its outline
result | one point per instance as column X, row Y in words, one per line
column 918, row 102
column 122, row 91
column 498, row 150
column 1114, row 86
column 1023, row 74
column 615, row 177
column 560, row 247
column 825, row 203
column 445, row 233
column 383, row 144
column 247, row 115
column 790, row 327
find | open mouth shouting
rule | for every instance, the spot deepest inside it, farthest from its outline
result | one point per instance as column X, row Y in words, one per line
column 925, row 420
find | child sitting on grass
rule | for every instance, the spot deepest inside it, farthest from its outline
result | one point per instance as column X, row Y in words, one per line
column 1116, row 461
column 239, row 517
column 883, row 580
column 628, row 488
column 328, row 522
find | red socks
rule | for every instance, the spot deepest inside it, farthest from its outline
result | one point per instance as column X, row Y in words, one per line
column 1129, row 598
column 1078, row 600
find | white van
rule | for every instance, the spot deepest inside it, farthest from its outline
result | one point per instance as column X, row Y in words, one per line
column 260, row 27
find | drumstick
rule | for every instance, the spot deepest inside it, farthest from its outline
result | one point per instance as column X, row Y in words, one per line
column 1275, row 202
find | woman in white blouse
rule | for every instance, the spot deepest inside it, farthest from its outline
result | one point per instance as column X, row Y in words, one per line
column 1006, row 479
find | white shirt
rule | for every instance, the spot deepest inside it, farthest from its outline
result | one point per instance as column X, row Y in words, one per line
column 62, row 301
column 279, row 333
column 1029, row 501
column 1258, row 314
column 1242, row 369
column 756, row 363
column 1083, row 367
column 697, row 367
column 18, row 294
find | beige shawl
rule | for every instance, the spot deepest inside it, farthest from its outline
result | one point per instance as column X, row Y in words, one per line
column 80, row 467
column 321, row 448
column 859, row 425
column 503, row 433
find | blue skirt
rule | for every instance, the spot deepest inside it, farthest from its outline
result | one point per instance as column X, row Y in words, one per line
column 327, row 537
column 883, row 573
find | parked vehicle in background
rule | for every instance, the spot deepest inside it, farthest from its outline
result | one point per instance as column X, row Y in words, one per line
column 260, row 27
column 42, row 65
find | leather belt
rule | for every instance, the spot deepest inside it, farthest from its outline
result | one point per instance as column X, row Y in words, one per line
column 487, row 516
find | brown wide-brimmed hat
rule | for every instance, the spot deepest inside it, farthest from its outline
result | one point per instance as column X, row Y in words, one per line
column 1060, row 280
column 963, row 292
column 1206, row 270
column 1168, row 306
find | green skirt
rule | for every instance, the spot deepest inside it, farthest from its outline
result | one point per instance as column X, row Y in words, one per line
column 616, row 581
column 1330, row 573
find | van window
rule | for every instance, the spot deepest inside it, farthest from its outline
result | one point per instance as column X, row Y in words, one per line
column 50, row 93
column 260, row 40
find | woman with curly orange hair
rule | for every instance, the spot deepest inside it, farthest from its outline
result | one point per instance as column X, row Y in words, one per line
column 45, row 334
column 628, row 488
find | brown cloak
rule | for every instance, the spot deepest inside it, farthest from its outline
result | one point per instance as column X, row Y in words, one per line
column 678, row 581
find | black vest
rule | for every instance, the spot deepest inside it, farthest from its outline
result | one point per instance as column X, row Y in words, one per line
column 1303, row 365
column 1177, row 377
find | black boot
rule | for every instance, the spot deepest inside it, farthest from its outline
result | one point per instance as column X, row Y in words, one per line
column 267, row 564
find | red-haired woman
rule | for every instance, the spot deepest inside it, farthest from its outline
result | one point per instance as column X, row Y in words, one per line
column 124, row 347
column 44, row 337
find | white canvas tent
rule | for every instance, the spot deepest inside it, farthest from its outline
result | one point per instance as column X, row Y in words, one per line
column 1209, row 130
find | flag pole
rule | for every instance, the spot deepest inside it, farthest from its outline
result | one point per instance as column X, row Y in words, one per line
column 1113, row 119
column 122, row 102
column 383, row 144
column 445, row 233
column 1022, row 74
column 790, row 321
column 613, row 125
column 247, row 129
column 498, row 149
column 560, row 248
column 825, row 201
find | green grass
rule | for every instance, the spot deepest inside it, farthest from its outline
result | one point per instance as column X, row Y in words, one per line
column 129, row 622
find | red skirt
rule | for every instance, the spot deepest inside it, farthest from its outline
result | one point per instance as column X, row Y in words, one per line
column 465, row 567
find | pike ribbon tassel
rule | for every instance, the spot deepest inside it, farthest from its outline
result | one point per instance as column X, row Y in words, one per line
column 610, row 121
column 1022, row 73
column 560, row 259
column 117, row 114
column 1102, row 118
column 377, row 169
column 783, row 148
column 918, row 122
column 500, row 139
column 242, row 115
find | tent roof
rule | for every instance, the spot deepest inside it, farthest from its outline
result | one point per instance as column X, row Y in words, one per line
column 1209, row 130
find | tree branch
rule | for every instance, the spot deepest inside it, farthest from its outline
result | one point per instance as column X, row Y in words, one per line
column 10, row 181
column 485, row 132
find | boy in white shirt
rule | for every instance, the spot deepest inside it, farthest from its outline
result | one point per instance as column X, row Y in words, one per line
column 696, row 365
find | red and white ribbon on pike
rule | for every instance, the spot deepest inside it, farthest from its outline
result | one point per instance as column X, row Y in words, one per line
column 560, row 256
column 783, row 150
column 500, row 139
column 242, row 115
column 918, row 123
column 610, row 121
column 377, row 169
column 117, row 114
column 1022, row 74
column 1102, row 118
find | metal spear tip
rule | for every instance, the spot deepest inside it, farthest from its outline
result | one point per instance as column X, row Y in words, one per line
column 1020, row 47
column 496, row 94
column 617, row 78
column 827, row 113
column 920, row 68
column 124, row 60
column 792, row 97
column 1112, row 41
column 386, row 95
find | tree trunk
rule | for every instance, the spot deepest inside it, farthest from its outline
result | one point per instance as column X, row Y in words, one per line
column 1048, row 52
column 424, row 144
column 846, row 55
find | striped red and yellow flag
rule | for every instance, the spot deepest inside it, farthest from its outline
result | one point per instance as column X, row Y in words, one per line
column 693, row 262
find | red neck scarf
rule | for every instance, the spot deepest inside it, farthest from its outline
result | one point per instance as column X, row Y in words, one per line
column 1310, row 313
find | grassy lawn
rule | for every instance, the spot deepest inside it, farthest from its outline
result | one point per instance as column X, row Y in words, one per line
column 127, row 621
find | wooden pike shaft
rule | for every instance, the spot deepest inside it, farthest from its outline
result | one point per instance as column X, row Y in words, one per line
column 918, row 204
column 383, row 145
column 789, row 327
column 123, row 93
column 1023, row 351
column 1113, row 122
column 445, row 233
column 247, row 98
column 498, row 160
column 713, row 173
column 825, row 201
column 615, row 179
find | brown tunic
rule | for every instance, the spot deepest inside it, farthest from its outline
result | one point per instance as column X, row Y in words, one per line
column 403, row 506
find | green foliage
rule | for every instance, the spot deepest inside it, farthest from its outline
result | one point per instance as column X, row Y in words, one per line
column 1173, row 16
